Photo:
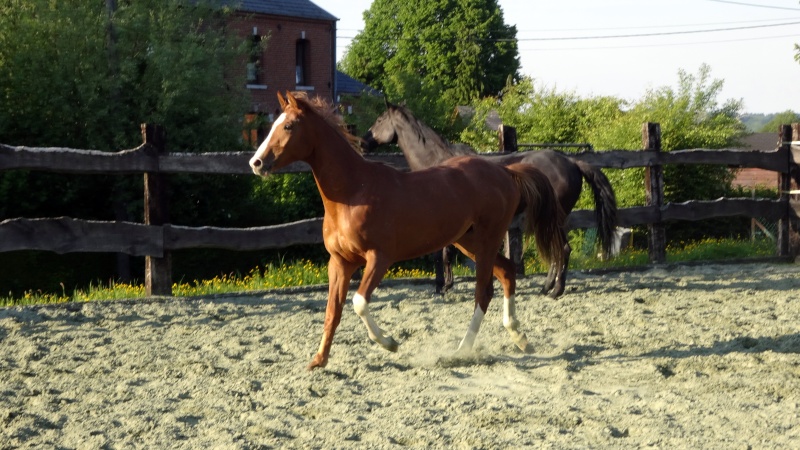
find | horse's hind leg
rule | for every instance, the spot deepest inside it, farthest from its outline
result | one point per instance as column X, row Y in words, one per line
column 438, row 265
column 560, row 281
column 504, row 270
column 550, row 281
column 556, row 281
column 448, row 257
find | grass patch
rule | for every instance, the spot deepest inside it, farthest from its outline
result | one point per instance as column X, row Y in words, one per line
column 303, row 272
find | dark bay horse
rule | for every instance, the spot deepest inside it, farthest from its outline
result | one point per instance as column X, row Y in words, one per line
column 424, row 148
column 376, row 215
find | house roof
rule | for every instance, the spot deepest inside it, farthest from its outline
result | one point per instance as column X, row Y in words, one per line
column 348, row 85
column 760, row 141
column 289, row 8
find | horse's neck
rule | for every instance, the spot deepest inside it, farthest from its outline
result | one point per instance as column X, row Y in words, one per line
column 336, row 166
column 422, row 147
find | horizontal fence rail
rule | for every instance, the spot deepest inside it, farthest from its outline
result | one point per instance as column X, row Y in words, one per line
column 156, row 240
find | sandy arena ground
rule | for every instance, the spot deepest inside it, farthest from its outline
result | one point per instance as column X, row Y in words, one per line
column 671, row 357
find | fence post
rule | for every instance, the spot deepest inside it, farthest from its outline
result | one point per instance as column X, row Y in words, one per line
column 513, row 243
column 157, row 271
column 508, row 138
column 784, row 184
column 654, row 194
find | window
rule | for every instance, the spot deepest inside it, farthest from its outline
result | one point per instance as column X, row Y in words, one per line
column 254, row 60
column 302, row 56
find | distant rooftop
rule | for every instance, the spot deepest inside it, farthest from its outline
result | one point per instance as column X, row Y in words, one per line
column 289, row 8
column 348, row 85
column 760, row 141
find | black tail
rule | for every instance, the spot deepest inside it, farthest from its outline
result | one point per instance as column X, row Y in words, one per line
column 605, row 203
column 544, row 218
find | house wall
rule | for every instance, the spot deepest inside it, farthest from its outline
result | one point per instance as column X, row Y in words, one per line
column 751, row 177
column 277, row 63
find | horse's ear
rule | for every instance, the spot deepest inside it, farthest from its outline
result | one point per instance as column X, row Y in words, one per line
column 292, row 101
column 281, row 101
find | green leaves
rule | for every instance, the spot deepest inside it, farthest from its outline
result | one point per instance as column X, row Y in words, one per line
column 462, row 47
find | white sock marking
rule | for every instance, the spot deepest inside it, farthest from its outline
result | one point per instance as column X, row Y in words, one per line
column 511, row 323
column 375, row 333
column 472, row 331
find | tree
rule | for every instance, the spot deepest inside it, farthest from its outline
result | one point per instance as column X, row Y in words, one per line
column 689, row 114
column 462, row 47
column 787, row 117
column 690, row 117
column 85, row 75
column 540, row 115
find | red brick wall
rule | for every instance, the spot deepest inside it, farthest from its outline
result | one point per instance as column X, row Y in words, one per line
column 277, row 70
column 751, row 177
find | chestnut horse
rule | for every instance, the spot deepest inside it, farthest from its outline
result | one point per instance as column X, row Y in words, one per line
column 376, row 215
column 423, row 148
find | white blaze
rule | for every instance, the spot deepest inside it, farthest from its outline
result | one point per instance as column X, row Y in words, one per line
column 263, row 147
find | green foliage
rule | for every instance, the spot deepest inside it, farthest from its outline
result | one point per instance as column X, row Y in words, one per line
column 787, row 117
column 689, row 116
column 288, row 197
column 461, row 48
column 539, row 115
column 74, row 74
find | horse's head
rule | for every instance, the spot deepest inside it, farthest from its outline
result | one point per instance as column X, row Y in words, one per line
column 286, row 141
column 382, row 131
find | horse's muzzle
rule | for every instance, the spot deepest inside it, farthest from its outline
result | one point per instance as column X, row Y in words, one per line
column 262, row 167
column 368, row 143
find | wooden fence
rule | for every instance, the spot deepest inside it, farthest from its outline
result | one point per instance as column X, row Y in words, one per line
column 155, row 238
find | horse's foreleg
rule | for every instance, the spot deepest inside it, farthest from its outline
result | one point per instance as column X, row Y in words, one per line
column 373, row 273
column 339, row 273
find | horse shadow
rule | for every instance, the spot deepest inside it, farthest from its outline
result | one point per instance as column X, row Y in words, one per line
column 580, row 283
column 580, row 356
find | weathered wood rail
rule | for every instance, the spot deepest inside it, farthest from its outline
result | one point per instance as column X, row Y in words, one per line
column 155, row 239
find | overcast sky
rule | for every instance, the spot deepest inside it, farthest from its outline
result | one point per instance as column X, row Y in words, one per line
column 625, row 47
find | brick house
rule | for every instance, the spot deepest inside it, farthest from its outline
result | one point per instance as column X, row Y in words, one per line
column 299, row 55
column 751, row 177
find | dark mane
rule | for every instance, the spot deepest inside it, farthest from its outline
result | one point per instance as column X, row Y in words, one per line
column 427, row 136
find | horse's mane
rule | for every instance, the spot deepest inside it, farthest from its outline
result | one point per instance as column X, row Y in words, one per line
column 328, row 112
column 426, row 135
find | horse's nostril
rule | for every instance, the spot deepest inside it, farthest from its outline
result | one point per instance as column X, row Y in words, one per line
column 256, row 163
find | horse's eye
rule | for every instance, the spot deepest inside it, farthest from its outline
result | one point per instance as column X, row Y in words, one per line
column 287, row 127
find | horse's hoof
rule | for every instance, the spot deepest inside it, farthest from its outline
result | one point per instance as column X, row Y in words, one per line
column 391, row 344
column 528, row 350
column 318, row 361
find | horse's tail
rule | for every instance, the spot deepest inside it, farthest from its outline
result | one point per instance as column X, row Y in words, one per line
column 605, row 203
column 544, row 217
